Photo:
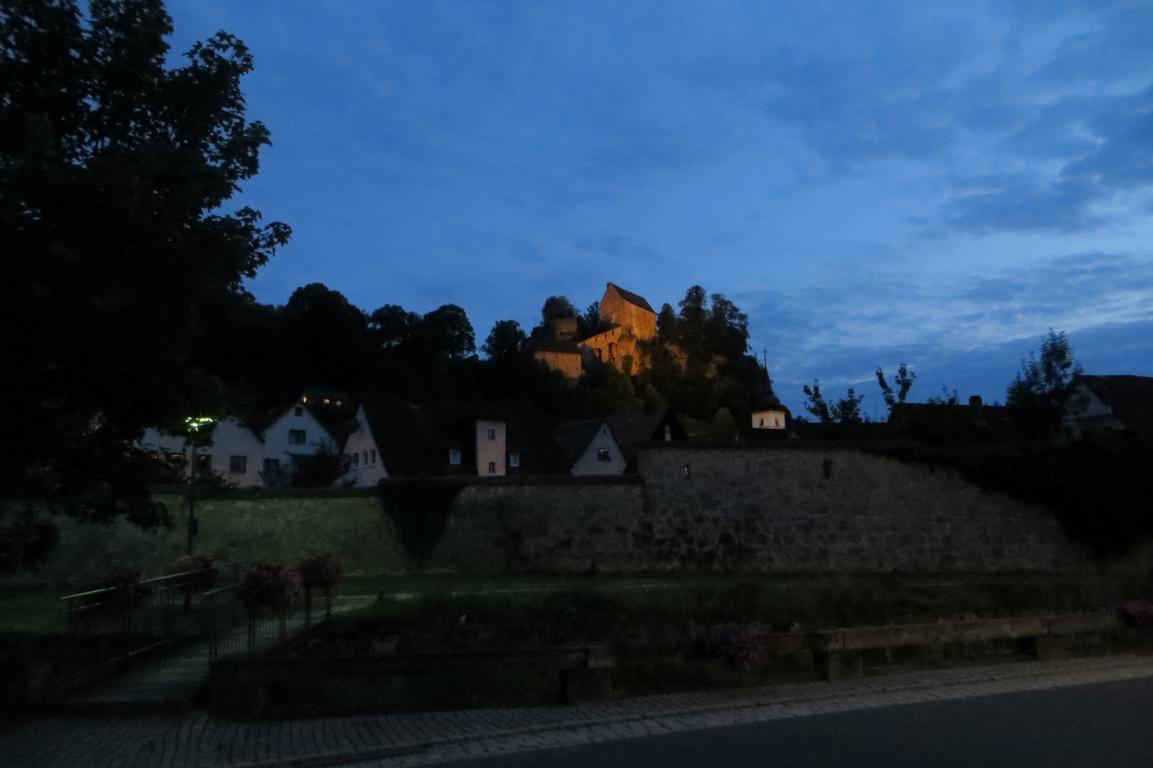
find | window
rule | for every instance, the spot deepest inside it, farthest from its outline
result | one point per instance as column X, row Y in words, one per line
column 355, row 458
column 365, row 457
column 372, row 455
column 203, row 464
column 296, row 437
column 603, row 454
column 492, row 467
column 454, row 457
column 668, row 434
column 491, row 433
column 514, row 460
column 237, row 465
column 298, row 411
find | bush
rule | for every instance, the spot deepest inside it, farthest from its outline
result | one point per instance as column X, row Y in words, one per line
column 320, row 572
column 269, row 585
column 1137, row 613
column 738, row 647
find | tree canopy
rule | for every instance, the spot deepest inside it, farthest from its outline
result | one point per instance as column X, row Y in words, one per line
column 113, row 172
column 1038, row 392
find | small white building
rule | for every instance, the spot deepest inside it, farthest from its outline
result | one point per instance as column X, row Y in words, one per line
column 590, row 448
column 491, row 442
column 769, row 418
column 235, row 454
column 362, row 452
column 296, row 432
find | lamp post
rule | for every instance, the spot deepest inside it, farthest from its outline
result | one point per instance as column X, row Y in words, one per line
column 193, row 425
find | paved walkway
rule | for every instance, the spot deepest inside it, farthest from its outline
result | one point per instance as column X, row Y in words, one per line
column 168, row 680
column 200, row 740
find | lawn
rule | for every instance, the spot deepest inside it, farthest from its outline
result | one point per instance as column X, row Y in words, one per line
column 31, row 609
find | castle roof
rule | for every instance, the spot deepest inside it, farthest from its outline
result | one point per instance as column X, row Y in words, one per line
column 632, row 298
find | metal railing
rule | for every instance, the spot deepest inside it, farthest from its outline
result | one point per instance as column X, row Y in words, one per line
column 164, row 606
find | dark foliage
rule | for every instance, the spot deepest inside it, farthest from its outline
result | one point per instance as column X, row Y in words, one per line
column 420, row 511
column 1101, row 487
column 320, row 571
column 113, row 172
column 269, row 585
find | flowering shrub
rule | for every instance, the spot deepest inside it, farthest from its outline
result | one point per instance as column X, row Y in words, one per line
column 320, row 572
column 185, row 563
column 1137, row 613
column 269, row 585
column 738, row 647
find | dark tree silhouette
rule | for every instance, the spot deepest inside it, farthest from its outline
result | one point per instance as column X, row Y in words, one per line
column 114, row 171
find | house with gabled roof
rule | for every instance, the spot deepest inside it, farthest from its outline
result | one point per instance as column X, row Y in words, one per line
column 589, row 447
column 235, row 453
column 1109, row 404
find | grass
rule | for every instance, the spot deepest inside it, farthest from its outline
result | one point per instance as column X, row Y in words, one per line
column 454, row 613
column 31, row 609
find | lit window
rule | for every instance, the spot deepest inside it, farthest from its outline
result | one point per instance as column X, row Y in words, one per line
column 454, row 457
column 327, row 401
column 492, row 467
column 336, row 402
column 237, row 465
column 296, row 437
column 514, row 460
column 603, row 454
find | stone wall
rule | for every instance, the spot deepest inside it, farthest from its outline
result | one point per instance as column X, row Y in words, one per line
column 836, row 509
column 780, row 508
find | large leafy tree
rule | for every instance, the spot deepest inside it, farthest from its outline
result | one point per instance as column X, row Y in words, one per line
column 114, row 173
column 1038, row 392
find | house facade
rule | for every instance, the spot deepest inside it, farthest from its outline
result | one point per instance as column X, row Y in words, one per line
column 362, row 453
column 590, row 448
column 236, row 453
column 1109, row 404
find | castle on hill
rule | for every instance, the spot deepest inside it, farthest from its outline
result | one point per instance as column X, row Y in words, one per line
column 631, row 320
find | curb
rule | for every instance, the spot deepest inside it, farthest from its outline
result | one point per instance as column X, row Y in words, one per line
column 340, row 757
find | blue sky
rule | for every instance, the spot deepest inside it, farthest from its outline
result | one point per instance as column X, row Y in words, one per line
column 935, row 183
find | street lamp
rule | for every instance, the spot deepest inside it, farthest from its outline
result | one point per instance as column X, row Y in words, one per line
column 196, row 427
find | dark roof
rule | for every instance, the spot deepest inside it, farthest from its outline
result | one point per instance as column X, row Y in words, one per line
column 958, row 423
column 632, row 298
column 573, row 437
column 1130, row 398
column 634, row 429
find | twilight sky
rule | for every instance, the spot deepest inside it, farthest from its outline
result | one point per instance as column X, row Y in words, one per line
column 871, row 183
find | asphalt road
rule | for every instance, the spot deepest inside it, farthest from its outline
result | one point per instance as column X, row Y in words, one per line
column 1107, row 724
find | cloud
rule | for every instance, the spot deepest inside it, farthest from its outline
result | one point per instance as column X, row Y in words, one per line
column 958, row 334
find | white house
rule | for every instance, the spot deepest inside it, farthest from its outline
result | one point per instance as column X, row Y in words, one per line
column 491, row 442
column 236, row 453
column 769, row 418
column 296, row 432
column 362, row 452
column 590, row 448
